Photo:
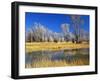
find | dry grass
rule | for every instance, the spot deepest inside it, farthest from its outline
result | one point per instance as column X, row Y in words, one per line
column 39, row 46
column 57, row 63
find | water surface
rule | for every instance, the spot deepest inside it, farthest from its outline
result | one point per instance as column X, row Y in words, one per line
column 59, row 58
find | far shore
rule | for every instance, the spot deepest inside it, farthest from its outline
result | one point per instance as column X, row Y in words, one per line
column 41, row 46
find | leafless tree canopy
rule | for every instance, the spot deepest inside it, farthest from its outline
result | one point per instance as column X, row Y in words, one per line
column 79, row 34
column 40, row 33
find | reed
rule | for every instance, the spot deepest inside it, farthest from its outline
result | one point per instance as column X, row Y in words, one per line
column 57, row 63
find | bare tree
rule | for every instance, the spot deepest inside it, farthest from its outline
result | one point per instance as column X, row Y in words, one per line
column 39, row 33
column 66, row 32
column 76, row 22
column 84, row 35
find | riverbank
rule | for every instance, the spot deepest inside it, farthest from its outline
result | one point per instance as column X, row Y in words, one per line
column 39, row 46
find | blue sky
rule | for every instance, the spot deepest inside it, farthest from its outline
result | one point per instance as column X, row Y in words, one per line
column 53, row 21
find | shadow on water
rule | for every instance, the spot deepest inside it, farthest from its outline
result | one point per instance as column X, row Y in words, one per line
column 53, row 58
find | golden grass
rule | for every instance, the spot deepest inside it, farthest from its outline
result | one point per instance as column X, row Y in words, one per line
column 39, row 46
column 57, row 63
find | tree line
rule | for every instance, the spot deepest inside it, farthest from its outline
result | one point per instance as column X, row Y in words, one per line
column 40, row 33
